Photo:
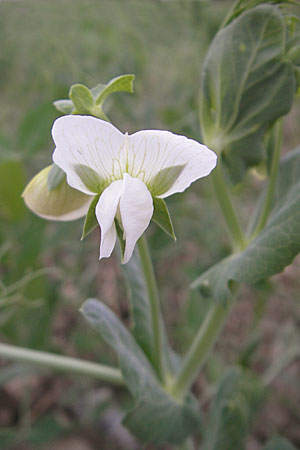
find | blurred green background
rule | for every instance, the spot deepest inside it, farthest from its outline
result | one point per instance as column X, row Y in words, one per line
column 46, row 272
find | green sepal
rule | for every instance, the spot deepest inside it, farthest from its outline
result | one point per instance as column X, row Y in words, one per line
column 90, row 222
column 82, row 99
column 64, row 106
column 122, row 83
column 162, row 218
column 121, row 239
column 55, row 177
column 164, row 179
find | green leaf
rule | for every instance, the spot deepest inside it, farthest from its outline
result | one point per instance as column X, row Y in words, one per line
column 156, row 416
column 164, row 180
column 64, row 106
column 82, row 99
column 234, row 406
column 55, row 177
column 247, row 84
column 121, row 83
column 90, row 222
column 142, row 329
column 278, row 443
column 142, row 324
column 12, row 181
column 274, row 248
column 97, row 90
column 293, row 39
column 162, row 218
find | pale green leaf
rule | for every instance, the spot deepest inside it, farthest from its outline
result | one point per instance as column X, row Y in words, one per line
column 97, row 90
column 64, row 106
column 90, row 222
column 162, row 218
column 273, row 249
column 156, row 416
column 82, row 99
column 121, row 83
column 55, row 177
column 247, row 84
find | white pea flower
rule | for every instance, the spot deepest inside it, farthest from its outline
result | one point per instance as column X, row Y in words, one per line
column 128, row 171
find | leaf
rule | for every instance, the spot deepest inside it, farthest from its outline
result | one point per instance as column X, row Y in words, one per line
column 91, row 221
column 156, row 417
column 82, row 98
column 234, row 406
column 55, row 177
column 64, row 106
column 278, row 443
column 12, row 180
column 164, row 180
column 274, row 248
column 141, row 314
column 162, row 218
column 142, row 324
column 121, row 83
column 247, row 84
column 97, row 90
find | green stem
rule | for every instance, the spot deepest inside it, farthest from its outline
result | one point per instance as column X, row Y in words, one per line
column 272, row 180
column 226, row 205
column 152, row 290
column 62, row 363
column 200, row 350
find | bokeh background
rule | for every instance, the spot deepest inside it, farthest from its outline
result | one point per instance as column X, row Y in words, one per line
column 46, row 272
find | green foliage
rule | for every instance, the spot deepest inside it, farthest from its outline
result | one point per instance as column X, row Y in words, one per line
column 141, row 314
column 237, row 400
column 156, row 416
column 122, row 83
column 89, row 102
column 82, row 98
column 276, row 245
column 247, row 84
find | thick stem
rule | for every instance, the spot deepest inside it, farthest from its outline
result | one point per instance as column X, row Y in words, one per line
column 272, row 180
column 226, row 205
column 152, row 290
column 200, row 350
column 62, row 363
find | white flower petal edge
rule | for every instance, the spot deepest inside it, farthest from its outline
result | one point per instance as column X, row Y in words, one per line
column 87, row 142
column 151, row 151
column 136, row 210
column 131, row 201
column 106, row 210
